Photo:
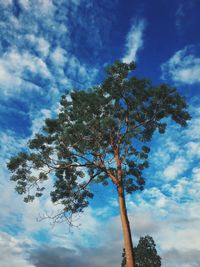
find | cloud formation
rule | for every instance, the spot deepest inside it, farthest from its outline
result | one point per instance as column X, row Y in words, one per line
column 183, row 67
column 62, row 257
column 175, row 258
column 36, row 52
column 13, row 251
column 47, row 47
column 134, row 40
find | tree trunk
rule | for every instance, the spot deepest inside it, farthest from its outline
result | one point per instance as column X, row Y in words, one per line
column 126, row 228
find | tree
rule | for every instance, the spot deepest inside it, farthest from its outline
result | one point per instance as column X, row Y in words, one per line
column 98, row 136
column 145, row 254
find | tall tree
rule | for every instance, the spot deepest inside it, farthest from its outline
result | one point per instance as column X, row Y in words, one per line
column 98, row 136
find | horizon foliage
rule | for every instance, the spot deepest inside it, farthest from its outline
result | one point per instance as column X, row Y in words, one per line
column 145, row 253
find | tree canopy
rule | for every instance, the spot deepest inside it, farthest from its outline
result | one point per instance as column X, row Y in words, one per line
column 97, row 133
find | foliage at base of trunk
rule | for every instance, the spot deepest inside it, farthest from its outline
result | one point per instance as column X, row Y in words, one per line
column 145, row 254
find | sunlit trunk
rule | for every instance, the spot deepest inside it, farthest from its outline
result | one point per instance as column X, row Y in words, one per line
column 126, row 229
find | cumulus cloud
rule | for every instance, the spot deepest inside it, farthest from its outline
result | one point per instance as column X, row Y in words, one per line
column 183, row 67
column 176, row 168
column 134, row 40
column 13, row 251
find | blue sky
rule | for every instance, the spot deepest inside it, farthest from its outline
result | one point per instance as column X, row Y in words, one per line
column 47, row 47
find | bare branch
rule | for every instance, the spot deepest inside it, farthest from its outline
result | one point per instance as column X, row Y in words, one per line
column 83, row 186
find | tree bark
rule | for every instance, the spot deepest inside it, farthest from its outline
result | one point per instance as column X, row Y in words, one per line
column 126, row 228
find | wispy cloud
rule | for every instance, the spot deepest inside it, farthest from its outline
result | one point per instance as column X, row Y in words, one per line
column 183, row 67
column 179, row 16
column 134, row 40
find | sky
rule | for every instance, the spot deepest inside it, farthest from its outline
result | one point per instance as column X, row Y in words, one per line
column 48, row 47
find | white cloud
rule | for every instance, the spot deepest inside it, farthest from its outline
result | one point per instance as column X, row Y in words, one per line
column 6, row 2
column 25, row 3
column 196, row 174
column 182, row 67
column 192, row 132
column 10, row 202
column 14, row 65
column 58, row 56
column 41, row 45
column 12, row 251
column 18, row 71
column 134, row 40
column 38, row 120
column 176, row 168
column 193, row 149
column 25, row 66
column 45, row 7
column 8, row 81
column 79, row 72
column 178, row 150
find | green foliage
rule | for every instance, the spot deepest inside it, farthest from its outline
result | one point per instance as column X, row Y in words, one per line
column 123, row 264
column 80, row 146
column 145, row 254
